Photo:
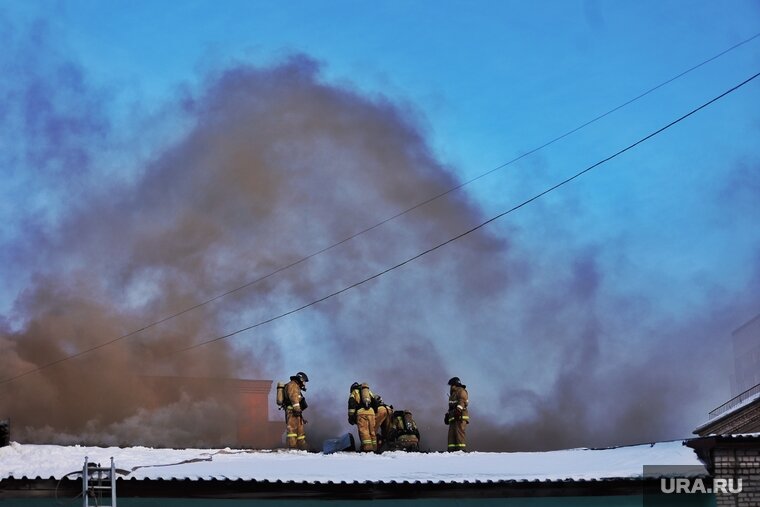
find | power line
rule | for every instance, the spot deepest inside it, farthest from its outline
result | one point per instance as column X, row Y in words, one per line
column 477, row 227
column 382, row 222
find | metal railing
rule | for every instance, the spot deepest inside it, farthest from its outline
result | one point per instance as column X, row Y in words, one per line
column 735, row 401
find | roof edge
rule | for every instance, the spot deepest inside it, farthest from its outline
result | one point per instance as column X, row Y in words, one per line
column 245, row 489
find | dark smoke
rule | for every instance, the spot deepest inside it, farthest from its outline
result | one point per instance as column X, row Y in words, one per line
column 273, row 164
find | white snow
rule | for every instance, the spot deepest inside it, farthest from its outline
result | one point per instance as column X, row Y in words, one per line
column 55, row 461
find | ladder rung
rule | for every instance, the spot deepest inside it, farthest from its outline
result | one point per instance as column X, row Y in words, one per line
column 98, row 483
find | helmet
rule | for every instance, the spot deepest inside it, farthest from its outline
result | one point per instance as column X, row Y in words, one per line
column 356, row 385
column 454, row 381
column 302, row 376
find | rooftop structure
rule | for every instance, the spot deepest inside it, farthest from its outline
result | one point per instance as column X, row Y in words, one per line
column 740, row 414
column 37, row 470
column 746, row 344
column 252, row 428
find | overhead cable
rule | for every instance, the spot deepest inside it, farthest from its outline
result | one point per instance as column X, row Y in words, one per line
column 475, row 228
column 378, row 224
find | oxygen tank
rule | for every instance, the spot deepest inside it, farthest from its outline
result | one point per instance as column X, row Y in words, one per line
column 280, row 394
column 366, row 396
column 409, row 422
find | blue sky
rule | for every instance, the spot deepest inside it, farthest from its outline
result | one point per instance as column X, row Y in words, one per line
column 667, row 232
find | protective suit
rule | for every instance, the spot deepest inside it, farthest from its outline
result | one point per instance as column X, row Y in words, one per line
column 382, row 420
column 361, row 413
column 294, row 407
column 457, row 416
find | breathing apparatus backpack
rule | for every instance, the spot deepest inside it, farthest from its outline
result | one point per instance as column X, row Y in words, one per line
column 404, row 434
column 366, row 396
column 404, row 424
column 281, row 399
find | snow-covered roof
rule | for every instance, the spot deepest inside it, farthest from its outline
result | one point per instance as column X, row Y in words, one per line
column 19, row 461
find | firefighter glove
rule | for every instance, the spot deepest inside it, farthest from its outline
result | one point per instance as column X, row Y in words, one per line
column 446, row 418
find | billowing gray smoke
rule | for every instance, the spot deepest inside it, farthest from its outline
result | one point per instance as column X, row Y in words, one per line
column 272, row 164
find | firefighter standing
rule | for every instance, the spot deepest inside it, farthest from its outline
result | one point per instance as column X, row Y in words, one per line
column 361, row 413
column 294, row 407
column 456, row 417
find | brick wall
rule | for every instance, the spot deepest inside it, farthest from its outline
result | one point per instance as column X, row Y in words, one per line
column 738, row 463
column 734, row 459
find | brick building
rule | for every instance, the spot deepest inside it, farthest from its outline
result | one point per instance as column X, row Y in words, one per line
column 746, row 344
column 730, row 445
column 252, row 429
column 732, row 457
column 740, row 414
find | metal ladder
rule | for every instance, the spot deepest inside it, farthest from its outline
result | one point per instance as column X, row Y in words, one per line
column 96, row 481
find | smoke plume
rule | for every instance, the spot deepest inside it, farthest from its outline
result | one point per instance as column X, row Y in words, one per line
column 271, row 164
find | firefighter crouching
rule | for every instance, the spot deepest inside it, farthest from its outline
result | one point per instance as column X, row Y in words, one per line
column 295, row 404
column 457, row 417
column 403, row 434
column 361, row 413
column 382, row 420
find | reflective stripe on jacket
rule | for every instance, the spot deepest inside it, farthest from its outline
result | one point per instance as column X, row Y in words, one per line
column 293, row 393
column 353, row 405
column 458, row 399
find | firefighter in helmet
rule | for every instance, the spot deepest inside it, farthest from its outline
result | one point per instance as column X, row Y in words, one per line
column 383, row 421
column 361, row 413
column 296, row 404
column 457, row 417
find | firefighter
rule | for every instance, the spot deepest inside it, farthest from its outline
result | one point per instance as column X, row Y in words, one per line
column 457, row 417
column 294, row 407
column 382, row 420
column 361, row 413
